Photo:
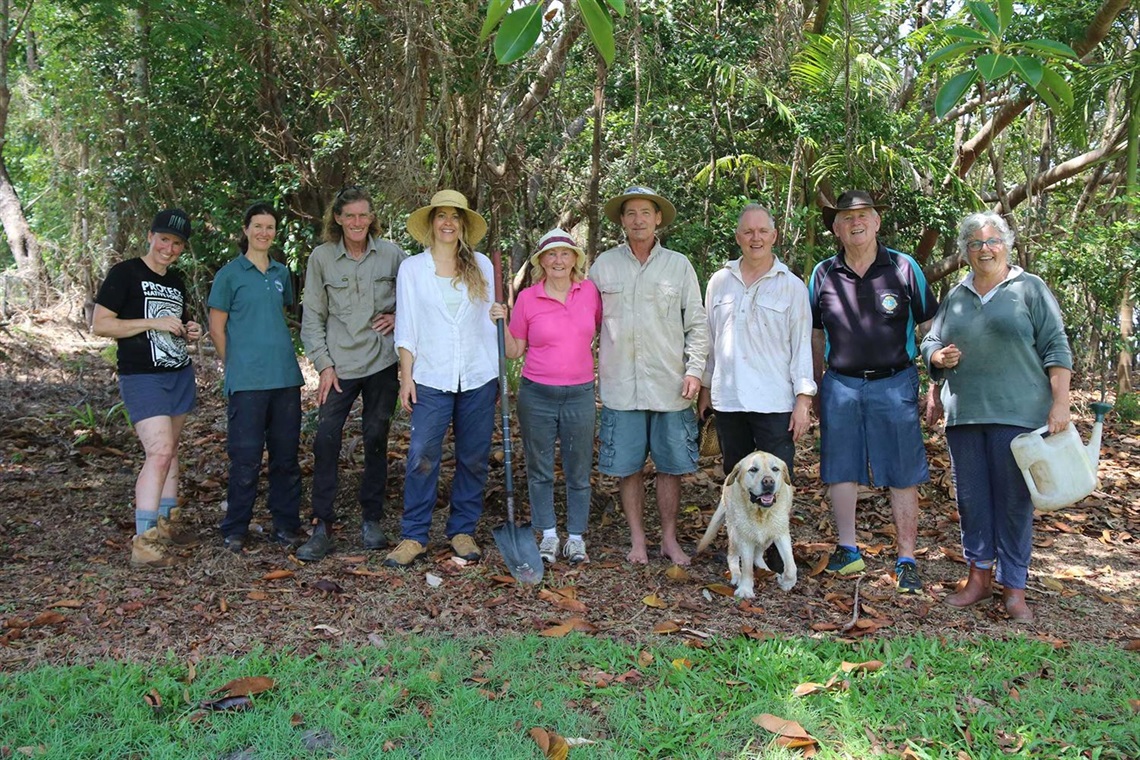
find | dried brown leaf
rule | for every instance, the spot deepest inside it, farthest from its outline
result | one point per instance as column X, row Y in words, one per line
column 677, row 573
column 721, row 588
column 553, row 746
column 654, row 601
column 276, row 575
column 71, row 604
column 1132, row 646
column 870, row 666
column 243, row 687
column 666, row 626
column 781, row 726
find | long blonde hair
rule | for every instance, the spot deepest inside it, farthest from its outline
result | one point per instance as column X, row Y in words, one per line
column 467, row 268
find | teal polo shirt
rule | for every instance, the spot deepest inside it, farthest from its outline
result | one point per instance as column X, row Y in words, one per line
column 260, row 354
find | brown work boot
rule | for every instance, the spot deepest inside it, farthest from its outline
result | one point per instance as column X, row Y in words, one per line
column 405, row 554
column 170, row 534
column 1016, row 606
column 148, row 551
column 979, row 587
column 465, row 547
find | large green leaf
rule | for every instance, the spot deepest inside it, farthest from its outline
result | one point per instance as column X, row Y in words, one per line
column 994, row 66
column 518, row 33
column 618, row 6
column 495, row 11
column 1005, row 13
column 951, row 92
column 1056, row 84
column 1049, row 47
column 951, row 52
column 600, row 27
column 967, row 33
column 1029, row 69
column 986, row 17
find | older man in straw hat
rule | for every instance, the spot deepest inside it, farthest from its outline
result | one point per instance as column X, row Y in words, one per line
column 651, row 357
column 866, row 301
column 346, row 328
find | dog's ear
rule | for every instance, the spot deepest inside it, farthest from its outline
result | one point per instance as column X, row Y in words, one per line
column 734, row 475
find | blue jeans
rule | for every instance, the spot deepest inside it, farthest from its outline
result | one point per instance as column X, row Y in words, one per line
column 471, row 415
column 380, row 391
column 562, row 413
column 260, row 419
column 994, row 507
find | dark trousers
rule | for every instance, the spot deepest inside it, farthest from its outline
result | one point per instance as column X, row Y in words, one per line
column 741, row 433
column 257, row 420
column 380, row 391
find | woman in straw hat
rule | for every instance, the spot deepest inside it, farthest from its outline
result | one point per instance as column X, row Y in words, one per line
column 554, row 323
column 448, row 371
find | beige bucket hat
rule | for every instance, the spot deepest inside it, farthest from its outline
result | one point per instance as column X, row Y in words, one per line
column 419, row 221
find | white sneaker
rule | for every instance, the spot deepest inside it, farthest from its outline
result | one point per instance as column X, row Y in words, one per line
column 548, row 549
column 575, row 551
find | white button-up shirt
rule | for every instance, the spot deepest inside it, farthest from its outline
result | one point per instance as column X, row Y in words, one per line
column 654, row 330
column 452, row 353
column 760, row 338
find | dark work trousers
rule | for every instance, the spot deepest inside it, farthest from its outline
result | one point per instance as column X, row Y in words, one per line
column 741, row 433
column 379, row 391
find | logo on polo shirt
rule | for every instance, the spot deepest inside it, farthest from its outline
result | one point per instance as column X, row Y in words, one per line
column 889, row 302
column 280, row 286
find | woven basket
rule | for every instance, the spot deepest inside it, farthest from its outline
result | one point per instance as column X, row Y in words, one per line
column 710, row 442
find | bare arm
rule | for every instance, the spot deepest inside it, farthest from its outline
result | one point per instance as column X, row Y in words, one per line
column 1059, row 379
column 218, row 320
column 107, row 324
column 516, row 347
column 407, row 384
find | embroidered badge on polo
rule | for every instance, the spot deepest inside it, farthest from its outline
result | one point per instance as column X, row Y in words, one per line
column 889, row 302
column 280, row 286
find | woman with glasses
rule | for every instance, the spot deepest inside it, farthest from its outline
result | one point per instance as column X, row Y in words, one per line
column 448, row 372
column 998, row 348
column 347, row 330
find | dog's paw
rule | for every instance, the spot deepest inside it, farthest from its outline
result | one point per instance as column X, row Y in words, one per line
column 785, row 582
column 744, row 592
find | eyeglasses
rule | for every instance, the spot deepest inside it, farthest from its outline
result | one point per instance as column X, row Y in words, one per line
column 976, row 245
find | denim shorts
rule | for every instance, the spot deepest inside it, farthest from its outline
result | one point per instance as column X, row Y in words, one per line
column 627, row 437
column 870, row 432
column 158, row 394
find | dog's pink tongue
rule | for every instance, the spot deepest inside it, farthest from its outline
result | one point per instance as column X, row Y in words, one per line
column 767, row 498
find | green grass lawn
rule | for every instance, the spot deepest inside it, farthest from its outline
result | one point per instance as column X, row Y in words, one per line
column 426, row 697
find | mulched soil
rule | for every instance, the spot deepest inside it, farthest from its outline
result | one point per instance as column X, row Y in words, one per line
column 68, row 594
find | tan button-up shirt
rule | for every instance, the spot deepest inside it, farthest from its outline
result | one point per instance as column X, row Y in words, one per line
column 654, row 330
column 341, row 298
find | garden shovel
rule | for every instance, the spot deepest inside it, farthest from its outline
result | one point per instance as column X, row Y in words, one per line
column 515, row 542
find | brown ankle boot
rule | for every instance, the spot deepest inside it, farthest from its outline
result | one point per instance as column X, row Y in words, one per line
column 148, row 551
column 978, row 588
column 1016, row 606
column 170, row 534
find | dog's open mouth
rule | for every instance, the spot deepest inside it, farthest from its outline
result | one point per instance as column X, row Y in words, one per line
column 765, row 499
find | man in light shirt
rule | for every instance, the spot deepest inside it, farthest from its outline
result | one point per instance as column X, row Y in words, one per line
column 651, row 355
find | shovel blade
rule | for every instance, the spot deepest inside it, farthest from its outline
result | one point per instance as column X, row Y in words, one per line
column 520, row 552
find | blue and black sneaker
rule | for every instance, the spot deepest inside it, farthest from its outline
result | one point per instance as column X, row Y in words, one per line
column 845, row 561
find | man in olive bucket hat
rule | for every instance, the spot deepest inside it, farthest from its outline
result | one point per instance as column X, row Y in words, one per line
column 651, row 356
column 866, row 302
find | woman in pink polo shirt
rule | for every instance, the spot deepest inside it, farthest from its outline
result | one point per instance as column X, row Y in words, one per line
column 554, row 323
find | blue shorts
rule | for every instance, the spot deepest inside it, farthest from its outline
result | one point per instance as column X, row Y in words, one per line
column 626, row 438
column 158, row 394
column 869, row 431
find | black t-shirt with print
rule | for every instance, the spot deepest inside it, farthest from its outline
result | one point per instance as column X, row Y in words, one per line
column 133, row 290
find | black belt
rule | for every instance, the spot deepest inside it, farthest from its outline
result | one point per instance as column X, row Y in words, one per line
column 873, row 374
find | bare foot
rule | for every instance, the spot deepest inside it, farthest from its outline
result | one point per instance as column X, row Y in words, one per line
column 674, row 553
column 637, row 556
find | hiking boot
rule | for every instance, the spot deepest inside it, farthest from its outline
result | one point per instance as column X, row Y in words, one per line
column 465, row 547
column 372, row 535
column 319, row 544
column 148, row 551
column 845, row 562
column 407, row 552
column 906, row 578
column 575, row 551
column 234, row 543
column 170, row 534
column 290, row 538
column 548, row 549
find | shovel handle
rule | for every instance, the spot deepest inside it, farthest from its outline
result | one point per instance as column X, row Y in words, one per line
column 497, row 264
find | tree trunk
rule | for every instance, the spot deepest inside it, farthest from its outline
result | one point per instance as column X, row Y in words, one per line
column 1132, row 187
column 596, row 162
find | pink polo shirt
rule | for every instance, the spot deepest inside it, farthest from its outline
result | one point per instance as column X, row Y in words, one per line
column 559, row 336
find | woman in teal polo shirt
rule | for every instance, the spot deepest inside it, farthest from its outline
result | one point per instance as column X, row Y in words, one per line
column 263, row 382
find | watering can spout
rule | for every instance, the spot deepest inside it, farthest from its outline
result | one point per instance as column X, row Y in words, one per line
column 1092, row 449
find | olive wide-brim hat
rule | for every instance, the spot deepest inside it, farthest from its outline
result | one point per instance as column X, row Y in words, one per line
column 849, row 200
column 419, row 221
column 612, row 209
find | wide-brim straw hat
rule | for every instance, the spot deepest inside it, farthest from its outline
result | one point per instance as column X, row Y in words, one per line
column 419, row 221
column 851, row 199
column 557, row 238
column 613, row 206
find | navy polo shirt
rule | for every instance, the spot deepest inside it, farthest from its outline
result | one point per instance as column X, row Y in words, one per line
column 260, row 354
column 869, row 321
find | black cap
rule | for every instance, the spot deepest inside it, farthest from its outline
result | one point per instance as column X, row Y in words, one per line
column 173, row 221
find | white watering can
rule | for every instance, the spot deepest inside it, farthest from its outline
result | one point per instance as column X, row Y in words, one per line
column 1058, row 469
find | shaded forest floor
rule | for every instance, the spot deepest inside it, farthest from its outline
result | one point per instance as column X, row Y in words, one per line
column 67, row 593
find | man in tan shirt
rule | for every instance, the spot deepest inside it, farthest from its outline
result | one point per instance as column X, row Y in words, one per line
column 651, row 356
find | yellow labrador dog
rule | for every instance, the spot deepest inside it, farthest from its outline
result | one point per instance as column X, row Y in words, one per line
column 755, row 504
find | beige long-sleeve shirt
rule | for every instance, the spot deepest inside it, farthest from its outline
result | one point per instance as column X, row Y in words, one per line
column 341, row 298
column 654, row 329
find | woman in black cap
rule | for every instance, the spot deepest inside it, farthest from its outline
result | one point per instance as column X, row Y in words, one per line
column 142, row 305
